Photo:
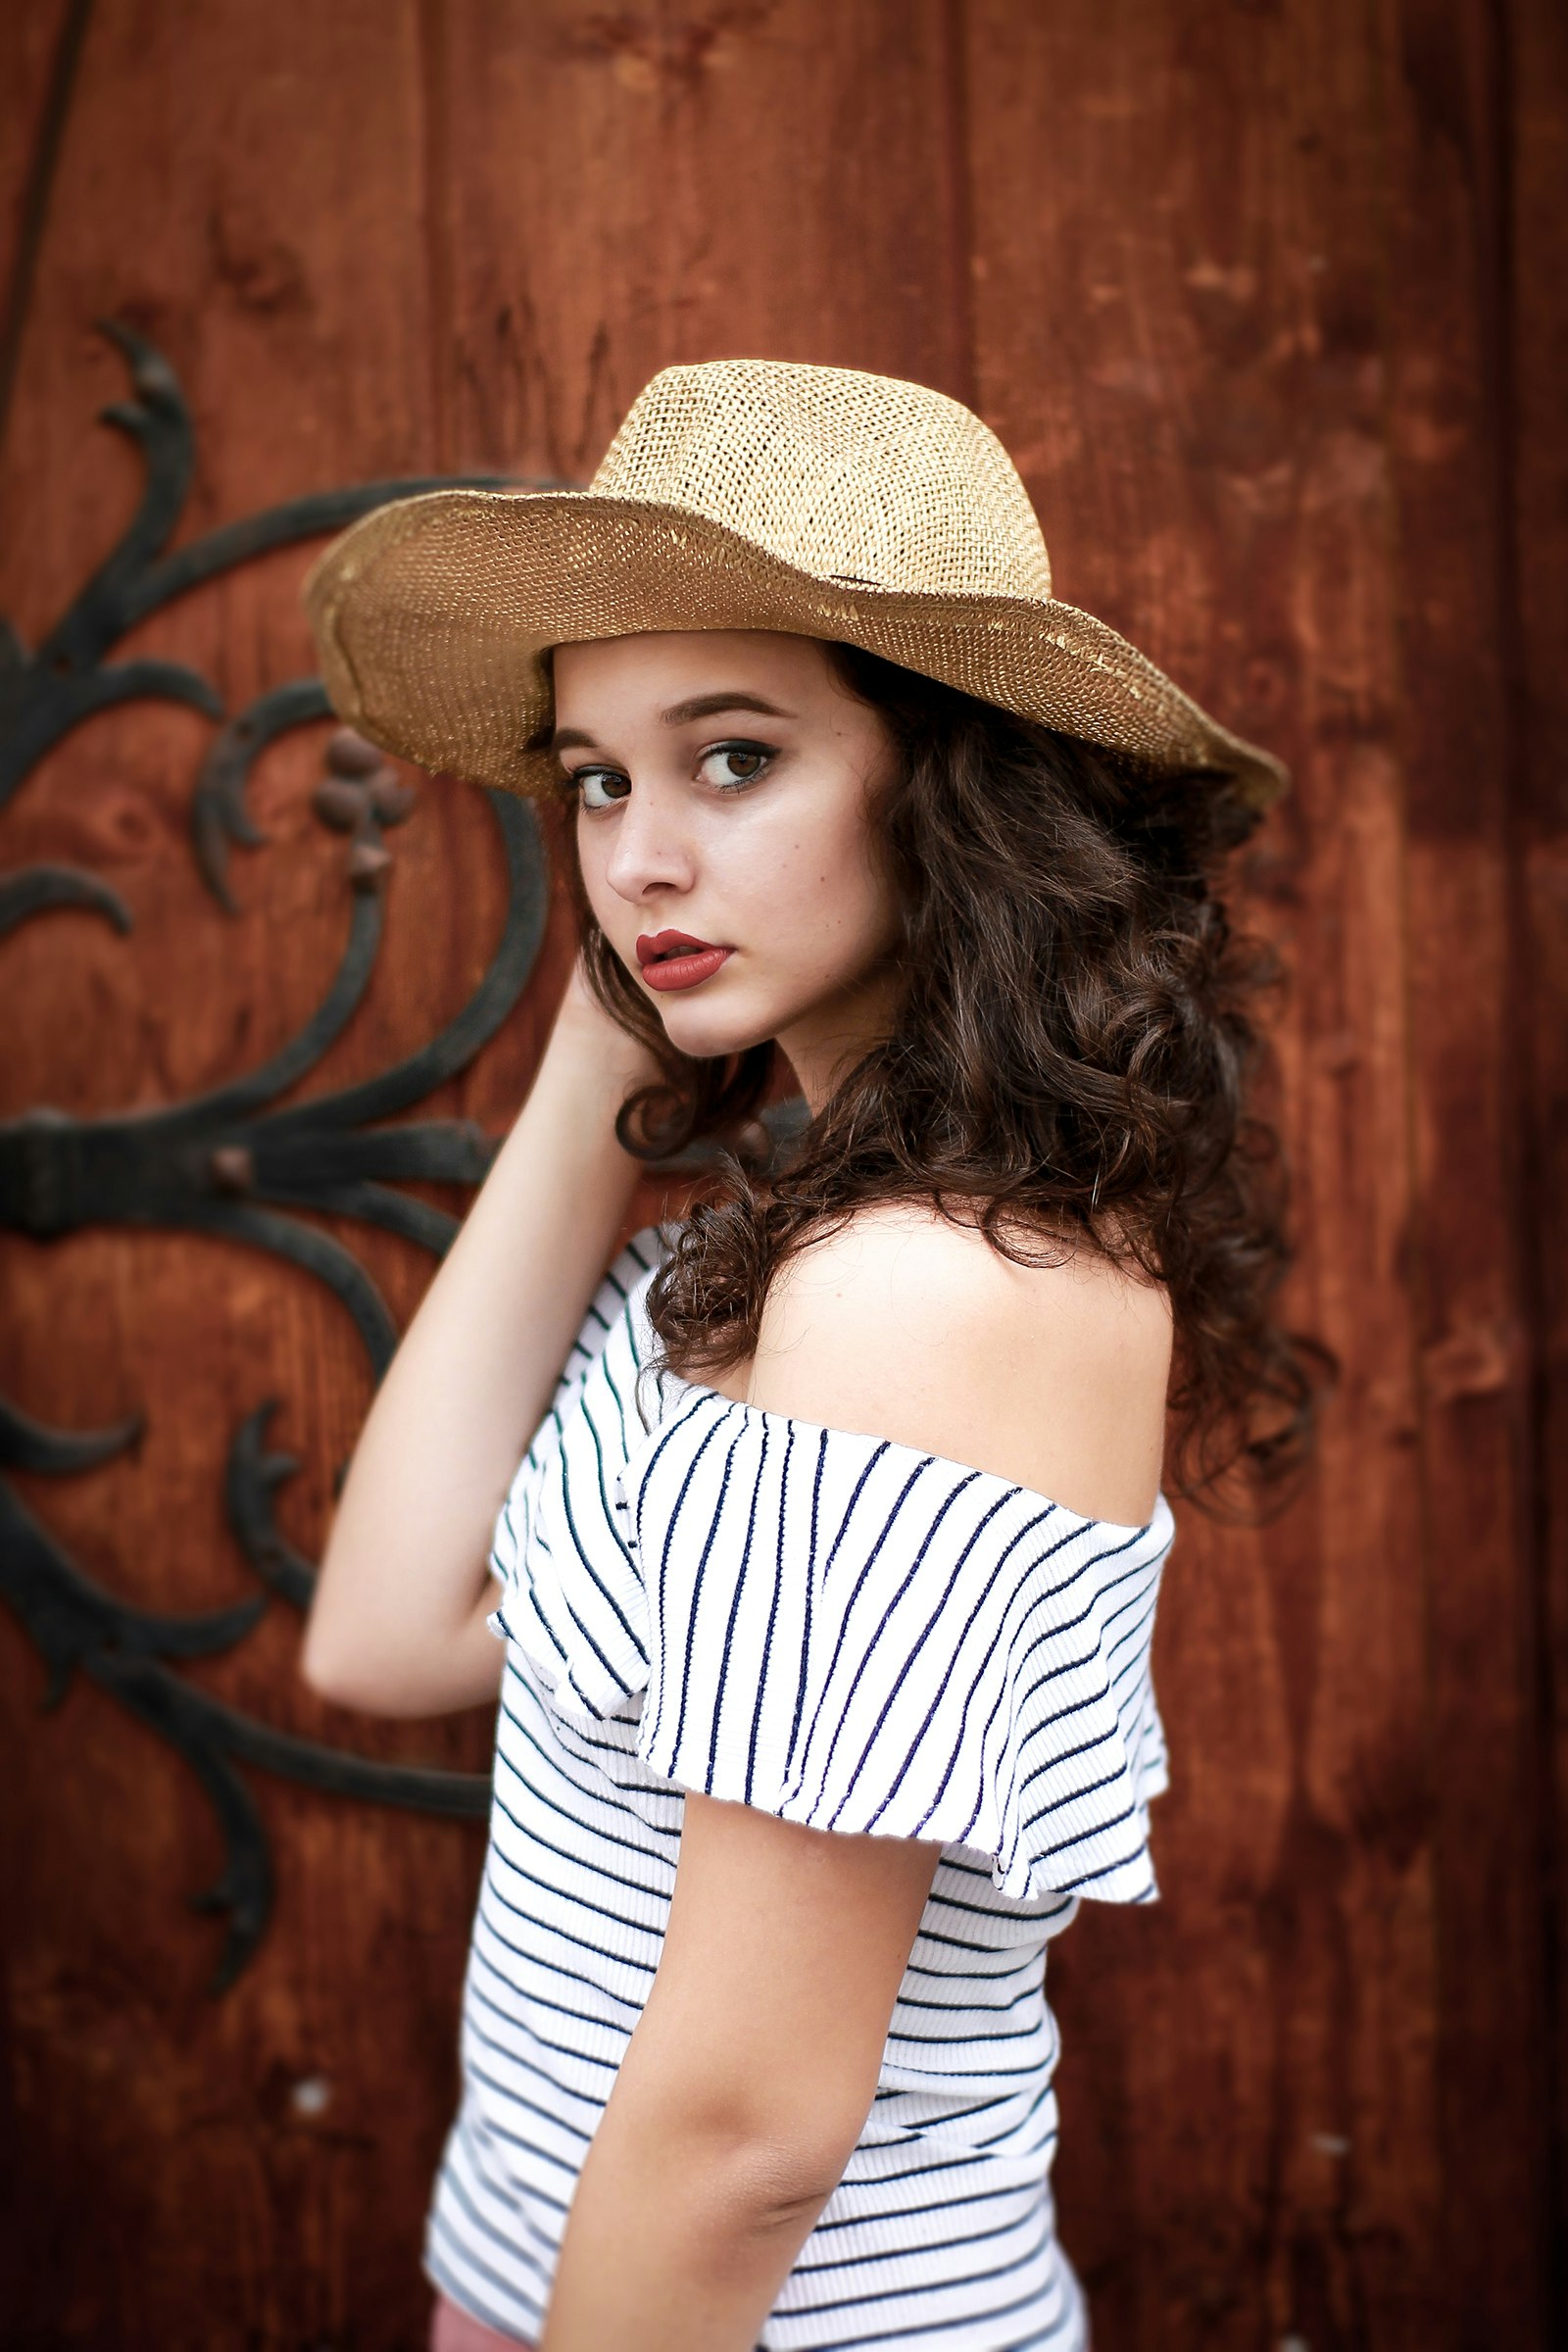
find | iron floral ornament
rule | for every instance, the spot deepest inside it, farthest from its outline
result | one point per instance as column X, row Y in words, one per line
column 228, row 1162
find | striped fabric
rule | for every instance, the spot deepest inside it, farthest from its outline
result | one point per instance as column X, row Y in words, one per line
column 845, row 1631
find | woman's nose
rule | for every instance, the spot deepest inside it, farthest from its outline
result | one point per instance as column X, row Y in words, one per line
column 649, row 850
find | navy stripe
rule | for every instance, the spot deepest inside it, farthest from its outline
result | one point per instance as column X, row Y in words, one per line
column 809, row 1585
column 664, row 1560
column 772, row 1622
column 696, row 1602
column 734, row 1613
column 897, row 1779
column 862, row 1663
column 857, row 1590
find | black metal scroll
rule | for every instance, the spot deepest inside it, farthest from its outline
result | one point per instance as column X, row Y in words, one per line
column 228, row 1162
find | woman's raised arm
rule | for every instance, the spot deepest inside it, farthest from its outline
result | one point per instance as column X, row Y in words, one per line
column 397, row 1624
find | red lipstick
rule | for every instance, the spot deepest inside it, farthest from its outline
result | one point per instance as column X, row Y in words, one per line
column 674, row 959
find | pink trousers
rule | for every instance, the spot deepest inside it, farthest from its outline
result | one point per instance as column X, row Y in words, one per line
column 454, row 2330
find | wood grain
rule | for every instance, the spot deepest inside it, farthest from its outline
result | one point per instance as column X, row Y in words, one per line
column 38, row 50
column 1449, row 325
column 1536, row 555
column 648, row 186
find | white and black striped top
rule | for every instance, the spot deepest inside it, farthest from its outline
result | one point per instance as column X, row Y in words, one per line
column 847, row 1633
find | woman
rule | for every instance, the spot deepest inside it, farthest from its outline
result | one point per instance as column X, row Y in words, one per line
column 828, row 1575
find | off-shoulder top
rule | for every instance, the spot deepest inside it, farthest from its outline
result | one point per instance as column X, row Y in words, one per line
column 698, row 1593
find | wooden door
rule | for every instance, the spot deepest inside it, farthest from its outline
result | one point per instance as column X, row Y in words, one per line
column 1264, row 301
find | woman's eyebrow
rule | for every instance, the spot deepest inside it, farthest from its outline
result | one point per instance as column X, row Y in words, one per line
column 707, row 706
column 679, row 714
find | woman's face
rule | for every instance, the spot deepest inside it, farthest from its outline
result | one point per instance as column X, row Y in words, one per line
column 722, row 781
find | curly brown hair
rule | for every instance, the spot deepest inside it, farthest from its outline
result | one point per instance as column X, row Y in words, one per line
column 1073, row 1054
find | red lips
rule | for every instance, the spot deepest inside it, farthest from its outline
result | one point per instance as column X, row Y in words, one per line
column 673, row 960
column 652, row 946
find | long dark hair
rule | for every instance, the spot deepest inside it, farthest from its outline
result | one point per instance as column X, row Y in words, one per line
column 1074, row 1054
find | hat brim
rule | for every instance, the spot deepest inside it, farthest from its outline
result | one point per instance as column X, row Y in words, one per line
column 431, row 617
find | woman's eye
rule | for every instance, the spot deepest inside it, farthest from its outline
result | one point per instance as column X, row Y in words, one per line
column 599, row 787
column 728, row 767
column 732, row 765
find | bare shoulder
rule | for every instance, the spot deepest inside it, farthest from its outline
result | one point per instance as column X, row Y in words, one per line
column 906, row 1326
column 901, row 1272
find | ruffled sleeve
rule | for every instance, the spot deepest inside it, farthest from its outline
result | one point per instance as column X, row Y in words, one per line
column 861, row 1636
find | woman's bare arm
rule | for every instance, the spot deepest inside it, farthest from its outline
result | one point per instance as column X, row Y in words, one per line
column 746, row 2086
column 397, row 1624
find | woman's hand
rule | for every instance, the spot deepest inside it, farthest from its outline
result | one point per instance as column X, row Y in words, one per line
column 746, row 2086
column 583, row 1019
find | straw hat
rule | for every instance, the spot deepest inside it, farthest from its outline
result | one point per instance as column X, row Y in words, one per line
column 738, row 494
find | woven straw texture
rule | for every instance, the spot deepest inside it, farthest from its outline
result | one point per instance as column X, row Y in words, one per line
column 738, row 494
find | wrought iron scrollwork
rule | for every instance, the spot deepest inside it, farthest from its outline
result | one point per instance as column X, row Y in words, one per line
column 229, row 1162
column 132, row 1653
